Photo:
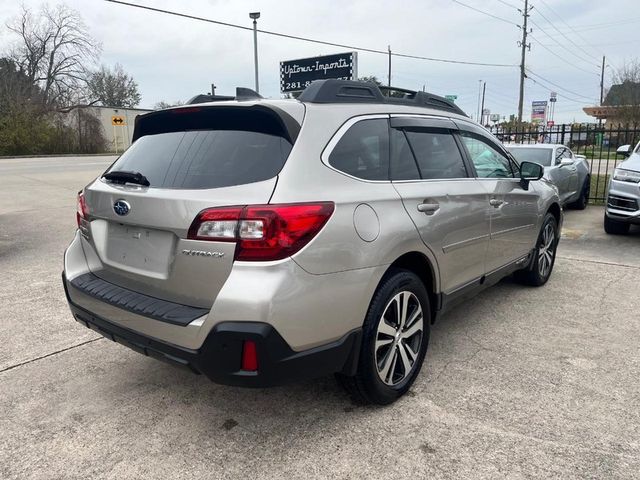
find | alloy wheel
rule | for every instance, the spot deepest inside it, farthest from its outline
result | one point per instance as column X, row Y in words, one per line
column 399, row 338
column 546, row 250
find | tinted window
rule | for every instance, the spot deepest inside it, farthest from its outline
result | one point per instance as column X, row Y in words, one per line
column 205, row 158
column 403, row 164
column 536, row 155
column 488, row 160
column 437, row 154
column 363, row 151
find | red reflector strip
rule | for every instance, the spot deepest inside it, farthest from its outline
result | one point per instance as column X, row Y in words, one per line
column 249, row 356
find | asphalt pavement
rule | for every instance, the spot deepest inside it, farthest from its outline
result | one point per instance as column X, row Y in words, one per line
column 518, row 382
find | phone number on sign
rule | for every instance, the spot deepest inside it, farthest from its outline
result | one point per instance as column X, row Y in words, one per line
column 303, row 85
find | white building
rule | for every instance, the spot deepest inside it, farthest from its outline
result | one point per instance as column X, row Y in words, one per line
column 117, row 125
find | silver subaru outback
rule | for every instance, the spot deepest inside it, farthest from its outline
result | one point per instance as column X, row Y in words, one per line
column 263, row 241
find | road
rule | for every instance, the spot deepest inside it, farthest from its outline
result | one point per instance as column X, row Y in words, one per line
column 518, row 383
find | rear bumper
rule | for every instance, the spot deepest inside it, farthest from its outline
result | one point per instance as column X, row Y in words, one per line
column 219, row 358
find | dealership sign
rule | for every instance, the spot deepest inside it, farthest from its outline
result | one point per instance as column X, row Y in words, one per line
column 296, row 75
column 538, row 111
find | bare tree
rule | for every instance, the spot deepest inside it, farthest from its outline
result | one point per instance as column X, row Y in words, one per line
column 163, row 104
column 54, row 51
column 625, row 92
column 113, row 88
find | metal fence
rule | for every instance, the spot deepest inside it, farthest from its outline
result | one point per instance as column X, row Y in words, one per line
column 596, row 142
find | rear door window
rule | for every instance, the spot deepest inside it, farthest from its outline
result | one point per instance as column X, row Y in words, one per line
column 403, row 163
column 437, row 154
column 363, row 151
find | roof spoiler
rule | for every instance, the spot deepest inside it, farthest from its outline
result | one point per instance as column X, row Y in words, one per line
column 350, row 91
column 242, row 94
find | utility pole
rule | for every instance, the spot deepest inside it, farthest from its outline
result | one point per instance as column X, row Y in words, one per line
column 602, row 81
column 484, row 89
column 255, row 16
column 479, row 99
column 524, row 46
column 389, row 76
column 213, row 89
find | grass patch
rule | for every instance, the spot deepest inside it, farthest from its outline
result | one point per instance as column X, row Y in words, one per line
column 599, row 185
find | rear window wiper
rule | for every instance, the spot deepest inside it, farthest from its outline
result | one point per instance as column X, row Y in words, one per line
column 122, row 176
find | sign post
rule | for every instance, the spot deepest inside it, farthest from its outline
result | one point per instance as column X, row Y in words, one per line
column 117, row 121
column 296, row 75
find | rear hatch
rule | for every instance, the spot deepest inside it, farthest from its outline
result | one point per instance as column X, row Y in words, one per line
column 188, row 160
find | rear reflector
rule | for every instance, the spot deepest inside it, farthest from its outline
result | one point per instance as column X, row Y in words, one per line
column 249, row 356
column 262, row 232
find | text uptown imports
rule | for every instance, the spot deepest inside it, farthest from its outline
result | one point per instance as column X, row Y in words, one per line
column 295, row 68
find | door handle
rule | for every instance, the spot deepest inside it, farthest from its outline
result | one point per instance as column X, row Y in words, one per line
column 494, row 202
column 428, row 208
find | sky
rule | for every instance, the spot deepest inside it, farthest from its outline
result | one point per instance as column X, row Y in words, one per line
column 172, row 59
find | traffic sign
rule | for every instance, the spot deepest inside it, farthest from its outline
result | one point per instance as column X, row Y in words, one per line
column 451, row 98
column 117, row 120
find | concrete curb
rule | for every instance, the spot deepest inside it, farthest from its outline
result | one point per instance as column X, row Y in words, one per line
column 61, row 155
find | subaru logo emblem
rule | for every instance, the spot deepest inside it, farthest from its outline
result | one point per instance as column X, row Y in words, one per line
column 121, row 207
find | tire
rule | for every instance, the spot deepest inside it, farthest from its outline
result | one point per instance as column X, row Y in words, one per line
column 582, row 202
column 388, row 344
column 544, row 257
column 614, row 227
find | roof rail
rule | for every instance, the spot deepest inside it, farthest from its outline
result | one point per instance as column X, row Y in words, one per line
column 351, row 91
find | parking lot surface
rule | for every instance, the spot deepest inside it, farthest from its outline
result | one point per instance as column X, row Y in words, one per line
column 517, row 383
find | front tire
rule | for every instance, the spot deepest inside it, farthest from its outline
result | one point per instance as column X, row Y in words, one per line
column 614, row 227
column 582, row 202
column 395, row 339
column 544, row 256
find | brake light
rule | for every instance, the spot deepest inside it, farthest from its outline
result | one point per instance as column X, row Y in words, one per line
column 82, row 211
column 262, row 232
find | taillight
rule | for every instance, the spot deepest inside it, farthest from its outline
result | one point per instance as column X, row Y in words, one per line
column 262, row 232
column 81, row 210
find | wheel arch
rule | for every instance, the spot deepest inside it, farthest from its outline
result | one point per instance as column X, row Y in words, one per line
column 419, row 264
column 555, row 210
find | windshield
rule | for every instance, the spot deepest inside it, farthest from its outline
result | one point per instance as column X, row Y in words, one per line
column 536, row 155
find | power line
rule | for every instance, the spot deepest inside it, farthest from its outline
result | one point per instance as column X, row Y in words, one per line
column 486, row 13
column 562, row 45
column 508, row 4
column 558, row 86
column 567, row 25
column 561, row 32
column 562, row 58
column 304, row 39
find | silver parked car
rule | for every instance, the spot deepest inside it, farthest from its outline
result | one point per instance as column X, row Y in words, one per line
column 566, row 170
column 263, row 241
column 623, row 196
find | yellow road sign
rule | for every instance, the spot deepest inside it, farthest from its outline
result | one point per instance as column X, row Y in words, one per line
column 117, row 120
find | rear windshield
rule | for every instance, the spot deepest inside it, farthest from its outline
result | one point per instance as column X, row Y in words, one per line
column 537, row 155
column 197, row 148
column 205, row 158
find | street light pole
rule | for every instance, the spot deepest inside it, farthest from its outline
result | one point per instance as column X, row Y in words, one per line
column 255, row 16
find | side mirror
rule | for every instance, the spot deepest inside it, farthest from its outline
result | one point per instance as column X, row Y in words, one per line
column 530, row 172
column 624, row 150
column 566, row 161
